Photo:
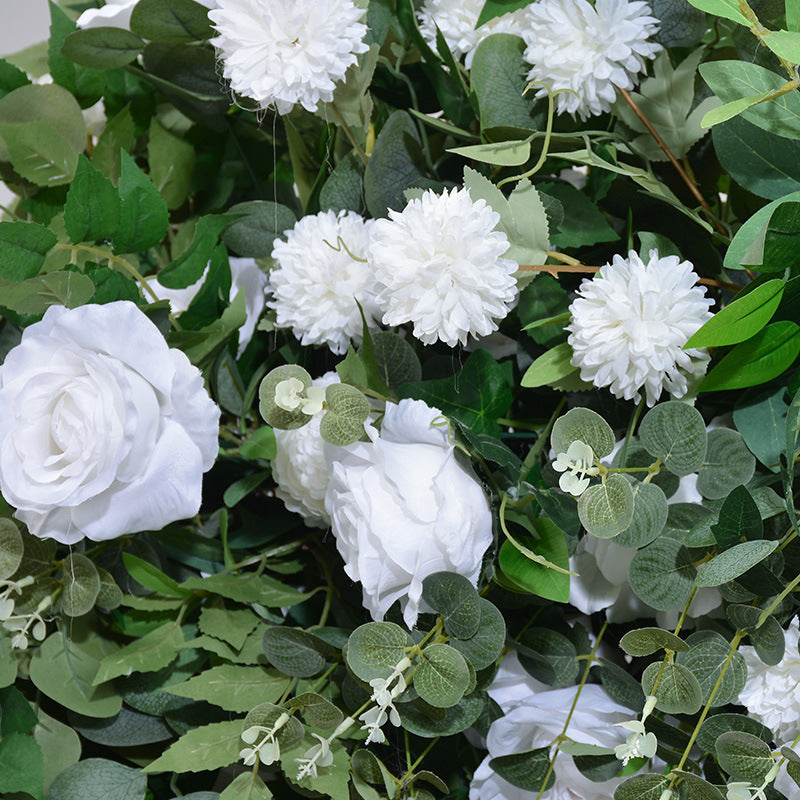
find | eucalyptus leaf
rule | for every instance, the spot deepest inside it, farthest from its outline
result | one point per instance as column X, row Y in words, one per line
column 675, row 432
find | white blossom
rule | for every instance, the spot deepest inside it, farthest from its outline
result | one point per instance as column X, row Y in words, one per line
column 576, row 465
column 265, row 746
column 289, row 395
column 629, row 325
column 439, row 264
column 284, row 52
column 320, row 273
column 588, row 50
column 384, row 692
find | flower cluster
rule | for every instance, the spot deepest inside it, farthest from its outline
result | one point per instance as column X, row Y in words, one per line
column 384, row 692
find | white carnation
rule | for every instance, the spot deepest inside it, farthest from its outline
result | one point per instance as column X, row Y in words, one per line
column 772, row 694
column 320, row 272
column 456, row 19
column 439, row 264
column 630, row 323
column 283, row 52
column 300, row 469
column 588, row 50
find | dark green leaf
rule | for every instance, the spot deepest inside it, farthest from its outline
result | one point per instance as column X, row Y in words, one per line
column 21, row 765
column 456, row 599
column 744, row 756
column 40, row 152
column 714, row 726
column 485, row 647
column 92, row 212
column 188, row 267
column 761, row 419
column 11, row 78
column 23, row 247
column 171, row 21
column 526, row 770
column 102, row 48
column 262, row 222
column 646, row 641
column 739, row 518
column 143, row 216
column 295, row 652
column 662, row 574
column 734, row 562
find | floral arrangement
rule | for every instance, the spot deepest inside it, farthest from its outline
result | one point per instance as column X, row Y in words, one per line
column 400, row 400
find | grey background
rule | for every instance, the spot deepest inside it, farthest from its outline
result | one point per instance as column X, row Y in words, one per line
column 24, row 22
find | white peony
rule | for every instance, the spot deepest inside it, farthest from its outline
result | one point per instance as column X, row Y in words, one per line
column 534, row 716
column 117, row 15
column 630, row 323
column 772, row 694
column 320, row 271
column 439, row 264
column 402, row 508
column 300, row 469
column 104, row 430
column 588, row 49
column 456, row 19
column 245, row 275
column 283, row 52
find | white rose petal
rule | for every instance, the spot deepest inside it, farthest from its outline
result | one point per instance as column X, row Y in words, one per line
column 402, row 508
column 104, row 430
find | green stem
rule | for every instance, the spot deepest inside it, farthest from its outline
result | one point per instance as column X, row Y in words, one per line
column 790, row 587
column 349, row 133
column 412, row 767
column 623, row 453
column 539, row 445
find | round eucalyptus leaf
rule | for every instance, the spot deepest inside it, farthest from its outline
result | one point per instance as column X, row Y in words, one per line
column 424, row 720
column 585, row 425
column 707, row 657
column 549, row 656
column 110, row 595
column 81, row 585
column 639, row 457
column 272, row 413
column 675, row 433
column 397, row 361
column 99, row 779
column 714, row 726
column 526, row 770
column 642, row 787
column 266, row 715
column 649, row 516
column 728, row 464
column 698, row 788
column 678, row 690
column 11, row 548
column 732, row 563
column 442, row 677
column 662, row 574
column 316, row 710
column 485, row 647
column 769, row 641
column 294, row 652
column 348, row 410
column 743, row 756
column 606, row 509
column 456, row 599
column 375, row 648
column 646, row 641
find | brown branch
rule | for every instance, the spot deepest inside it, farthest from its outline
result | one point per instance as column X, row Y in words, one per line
column 674, row 161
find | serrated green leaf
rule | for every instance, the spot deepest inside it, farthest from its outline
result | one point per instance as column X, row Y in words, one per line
column 233, row 687
column 246, row 786
column 118, row 135
column 171, row 161
column 205, row 748
column 148, row 654
column 248, row 588
column 232, row 625
column 40, row 152
column 23, row 247
column 93, row 205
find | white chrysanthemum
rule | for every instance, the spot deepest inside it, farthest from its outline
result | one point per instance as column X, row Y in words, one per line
column 320, row 272
column 300, row 469
column 456, row 20
column 283, row 52
column 772, row 694
column 589, row 50
column 630, row 322
column 439, row 264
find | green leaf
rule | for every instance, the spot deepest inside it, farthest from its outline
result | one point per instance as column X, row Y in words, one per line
column 266, row 715
column 81, row 585
column 17, row 716
column 722, row 8
column 246, row 786
column 583, row 222
column 40, row 152
column 348, row 410
column 11, row 548
column 498, row 77
column 551, row 368
column 606, row 509
column 423, row 720
column 759, row 160
column 34, row 296
column 93, row 205
column 375, row 648
column 238, row 490
column 127, row 729
column 11, row 78
column 456, row 599
column 549, row 656
column 485, row 647
column 496, row 8
column 768, row 639
column 678, row 690
column 775, row 249
column 732, row 80
column 650, row 512
column 99, row 779
column 248, row 588
column 295, row 652
column 118, row 135
column 760, row 359
column 662, row 574
column 64, row 673
column 148, row 654
column 761, row 419
column 171, row 21
column 642, row 787
column 785, row 44
column 741, row 319
column 396, row 360
column 205, row 748
column 442, row 676
column 728, row 464
column 232, row 687
column 743, row 756
column 21, row 765
column 61, row 747
column 189, row 266
column 253, row 235
column 317, row 711
column 646, row 641
column 143, row 215
column 717, row 724
column 344, row 189
column 697, row 788
column 734, row 562
column 723, row 113
column 708, row 655
column 151, row 577
column 526, row 770
column 676, row 433
column 738, row 518
column 585, row 425
column 102, row 48
column 171, row 161
column 476, row 395
column 110, row 595
column 501, row 154
column 232, row 625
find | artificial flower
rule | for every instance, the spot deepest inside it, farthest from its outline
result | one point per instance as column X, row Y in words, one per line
column 402, row 508
column 630, row 322
column 117, row 15
column 772, row 693
column 246, row 276
column 439, row 264
column 456, row 19
column 320, row 272
column 104, row 430
column 588, row 50
column 284, row 52
column 576, row 465
column 534, row 716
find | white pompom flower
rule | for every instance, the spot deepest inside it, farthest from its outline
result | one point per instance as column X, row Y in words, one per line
column 321, row 270
column 630, row 323
column 439, row 264
column 588, row 49
column 456, row 19
column 284, row 52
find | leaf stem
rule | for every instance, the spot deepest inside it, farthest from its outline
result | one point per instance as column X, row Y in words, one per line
column 349, row 133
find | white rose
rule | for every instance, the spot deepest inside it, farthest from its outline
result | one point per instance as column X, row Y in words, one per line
column 534, row 716
column 104, row 430
column 245, row 275
column 300, row 469
column 402, row 508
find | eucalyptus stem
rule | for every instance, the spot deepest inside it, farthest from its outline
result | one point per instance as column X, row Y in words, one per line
column 623, row 453
column 418, row 761
column 538, row 446
column 790, row 587
column 340, row 121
